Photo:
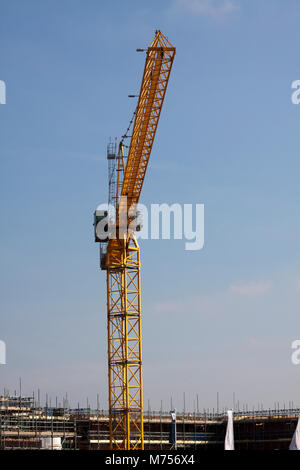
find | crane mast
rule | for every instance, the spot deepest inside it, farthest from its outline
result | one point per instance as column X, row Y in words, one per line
column 120, row 253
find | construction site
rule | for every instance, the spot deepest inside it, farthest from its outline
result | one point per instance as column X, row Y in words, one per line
column 24, row 424
column 27, row 423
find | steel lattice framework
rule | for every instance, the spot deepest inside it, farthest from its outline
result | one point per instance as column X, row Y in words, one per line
column 159, row 61
column 122, row 260
column 125, row 352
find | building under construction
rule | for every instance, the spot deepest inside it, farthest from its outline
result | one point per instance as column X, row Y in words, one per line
column 25, row 424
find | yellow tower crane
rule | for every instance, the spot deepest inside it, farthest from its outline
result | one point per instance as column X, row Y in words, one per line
column 120, row 253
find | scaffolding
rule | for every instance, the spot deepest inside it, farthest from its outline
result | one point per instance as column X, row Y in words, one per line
column 24, row 424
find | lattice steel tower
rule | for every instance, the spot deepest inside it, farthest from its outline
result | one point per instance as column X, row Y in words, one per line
column 120, row 253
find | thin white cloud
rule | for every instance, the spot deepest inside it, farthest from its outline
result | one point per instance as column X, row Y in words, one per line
column 251, row 288
column 216, row 303
column 195, row 304
column 169, row 307
column 215, row 9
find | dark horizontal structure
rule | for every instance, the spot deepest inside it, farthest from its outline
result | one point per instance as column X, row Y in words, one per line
column 26, row 425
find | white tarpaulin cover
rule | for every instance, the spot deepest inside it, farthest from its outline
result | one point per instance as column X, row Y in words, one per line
column 229, row 439
column 295, row 443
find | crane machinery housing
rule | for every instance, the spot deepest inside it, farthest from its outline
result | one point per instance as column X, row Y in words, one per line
column 120, row 253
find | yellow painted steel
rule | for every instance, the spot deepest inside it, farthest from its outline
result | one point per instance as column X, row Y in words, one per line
column 159, row 60
column 125, row 351
column 158, row 65
column 123, row 258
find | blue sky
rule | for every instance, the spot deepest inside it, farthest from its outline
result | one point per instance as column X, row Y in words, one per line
column 221, row 319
